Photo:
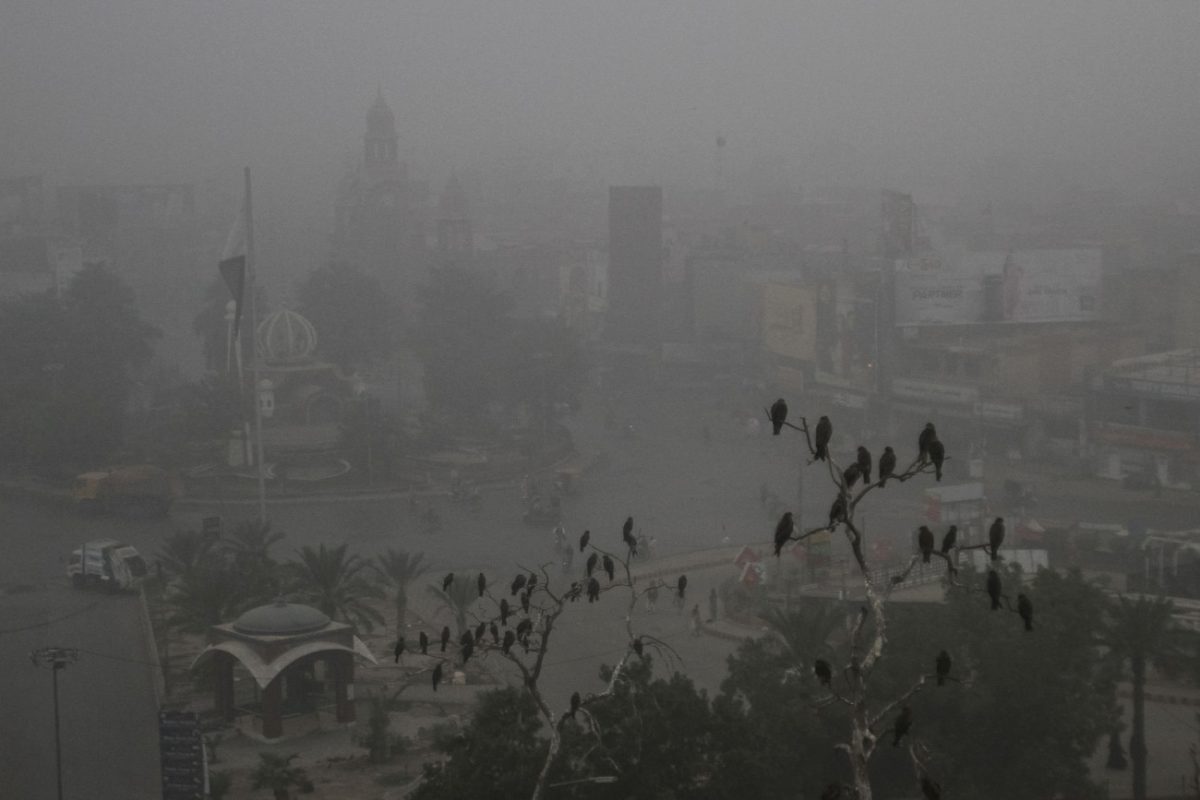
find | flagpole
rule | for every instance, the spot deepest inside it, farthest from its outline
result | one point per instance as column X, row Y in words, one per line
column 251, row 275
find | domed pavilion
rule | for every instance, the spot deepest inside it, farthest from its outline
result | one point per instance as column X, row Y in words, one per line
column 300, row 661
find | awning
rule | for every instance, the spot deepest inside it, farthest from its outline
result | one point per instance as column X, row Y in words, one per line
column 264, row 672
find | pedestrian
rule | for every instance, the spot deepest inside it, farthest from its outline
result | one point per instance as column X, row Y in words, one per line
column 696, row 631
column 651, row 598
column 712, row 604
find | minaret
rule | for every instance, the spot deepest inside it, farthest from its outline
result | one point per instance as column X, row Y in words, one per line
column 379, row 143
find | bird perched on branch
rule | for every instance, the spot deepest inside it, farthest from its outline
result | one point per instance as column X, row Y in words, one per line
column 529, row 584
column 823, row 671
column 592, row 561
column 942, row 665
column 639, row 648
column 821, row 440
column 851, row 474
column 609, row 567
column 517, row 585
column 887, row 465
column 783, row 531
column 593, row 590
column 937, row 454
column 583, row 540
column 423, row 643
column 445, row 637
column 994, row 588
column 576, row 700
column 864, row 463
column 925, row 543
column 437, row 675
column 466, row 645
column 681, row 586
column 446, row 581
column 481, row 584
column 837, row 511
column 1025, row 609
column 949, row 540
column 628, row 537
column 928, row 435
column 505, row 610
column 903, row 723
column 509, row 639
column 398, row 650
column 778, row 415
column 996, row 537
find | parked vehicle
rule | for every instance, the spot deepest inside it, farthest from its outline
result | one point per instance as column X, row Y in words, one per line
column 135, row 489
column 106, row 563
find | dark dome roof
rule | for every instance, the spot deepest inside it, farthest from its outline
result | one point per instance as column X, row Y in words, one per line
column 280, row 619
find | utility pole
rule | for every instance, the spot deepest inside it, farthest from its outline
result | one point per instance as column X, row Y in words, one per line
column 251, row 279
column 56, row 658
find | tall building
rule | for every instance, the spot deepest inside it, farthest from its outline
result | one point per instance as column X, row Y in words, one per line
column 379, row 223
column 635, row 259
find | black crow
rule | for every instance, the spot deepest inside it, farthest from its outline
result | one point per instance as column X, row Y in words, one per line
column 481, row 582
column 437, row 675
column 583, row 540
column 851, row 474
column 937, row 454
column 446, row 581
column 864, row 463
column 517, row 585
column 608, row 566
column 824, row 434
column 949, row 540
column 628, row 537
column 993, row 588
column 423, row 641
column 783, row 531
column 533, row 579
column 928, row 436
column 887, row 465
column 837, row 511
column 942, row 664
column 445, row 637
column 592, row 561
column 996, row 537
column 1025, row 609
column 903, row 723
column 639, row 647
column 823, row 671
column 593, row 590
column 505, row 610
column 398, row 650
column 778, row 415
column 509, row 638
column 925, row 543
column 681, row 585
column 466, row 645
column 575, row 701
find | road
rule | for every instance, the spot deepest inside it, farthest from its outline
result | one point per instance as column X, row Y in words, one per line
column 108, row 711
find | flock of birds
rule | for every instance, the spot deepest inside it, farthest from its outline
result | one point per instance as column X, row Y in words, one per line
column 521, row 588
column 930, row 450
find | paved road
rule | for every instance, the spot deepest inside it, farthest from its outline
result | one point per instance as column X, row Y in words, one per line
column 108, row 711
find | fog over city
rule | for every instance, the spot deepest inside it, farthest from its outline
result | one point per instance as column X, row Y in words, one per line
column 599, row 400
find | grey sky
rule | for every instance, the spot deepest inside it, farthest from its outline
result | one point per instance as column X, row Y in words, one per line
column 923, row 93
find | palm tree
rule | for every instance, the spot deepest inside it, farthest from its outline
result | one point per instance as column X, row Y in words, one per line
column 1142, row 632
column 807, row 627
column 249, row 547
column 457, row 599
column 207, row 595
column 183, row 552
column 332, row 581
column 397, row 568
column 275, row 772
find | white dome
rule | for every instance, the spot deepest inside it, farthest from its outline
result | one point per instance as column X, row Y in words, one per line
column 286, row 337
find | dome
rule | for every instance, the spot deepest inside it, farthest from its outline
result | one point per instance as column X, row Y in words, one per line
column 286, row 337
column 280, row 619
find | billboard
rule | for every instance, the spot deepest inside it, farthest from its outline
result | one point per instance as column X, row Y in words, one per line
column 1019, row 286
column 790, row 321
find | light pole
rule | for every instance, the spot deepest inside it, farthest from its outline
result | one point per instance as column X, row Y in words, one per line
column 56, row 658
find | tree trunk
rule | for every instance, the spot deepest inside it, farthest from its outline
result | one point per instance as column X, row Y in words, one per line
column 539, row 789
column 1137, row 738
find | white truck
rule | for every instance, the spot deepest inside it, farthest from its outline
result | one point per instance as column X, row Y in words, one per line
column 106, row 563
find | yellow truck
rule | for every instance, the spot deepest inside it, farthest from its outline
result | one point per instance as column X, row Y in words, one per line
column 142, row 489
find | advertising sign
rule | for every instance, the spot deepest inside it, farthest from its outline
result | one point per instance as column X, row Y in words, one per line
column 938, row 298
column 182, row 752
column 934, row 392
column 1052, row 285
column 790, row 321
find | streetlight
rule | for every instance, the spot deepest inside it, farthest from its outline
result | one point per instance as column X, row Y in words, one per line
column 56, row 658
column 594, row 779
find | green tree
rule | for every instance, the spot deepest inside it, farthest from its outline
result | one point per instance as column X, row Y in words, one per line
column 248, row 549
column 276, row 774
column 208, row 595
column 333, row 581
column 458, row 600
column 183, row 552
column 354, row 317
column 397, row 569
column 1142, row 633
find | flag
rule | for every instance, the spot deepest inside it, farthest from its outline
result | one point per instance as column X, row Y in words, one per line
column 233, row 271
